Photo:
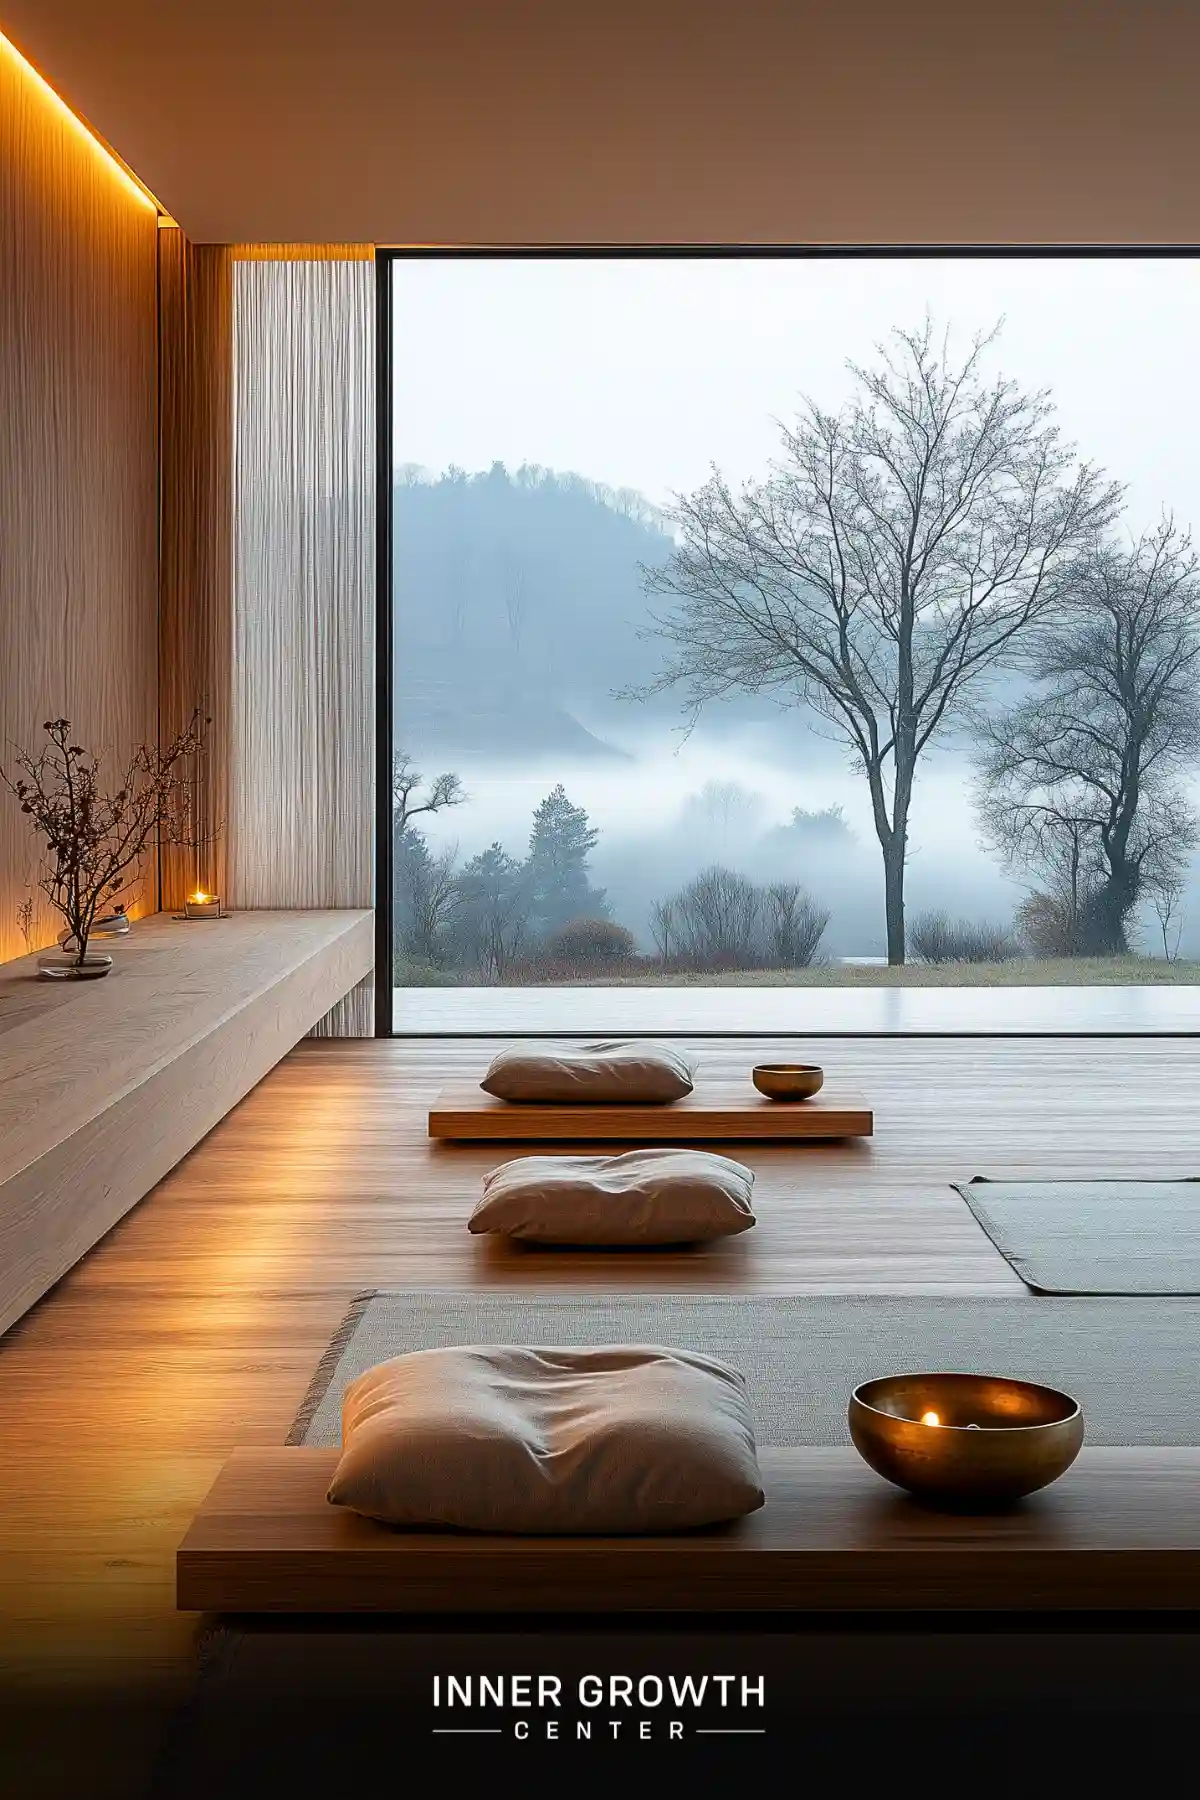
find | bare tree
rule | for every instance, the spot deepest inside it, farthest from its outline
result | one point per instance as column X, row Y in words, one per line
column 723, row 808
column 407, row 800
column 512, row 589
column 892, row 557
column 664, row 928
column 432, row 902
column 1080, row 782
column 1168, row 900
column 425, row 886
column 1058, row 842
column 492, row 920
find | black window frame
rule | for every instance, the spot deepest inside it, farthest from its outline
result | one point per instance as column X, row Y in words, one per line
column 385, row 259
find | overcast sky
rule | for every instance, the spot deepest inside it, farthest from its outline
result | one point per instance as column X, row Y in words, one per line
column 641, row 373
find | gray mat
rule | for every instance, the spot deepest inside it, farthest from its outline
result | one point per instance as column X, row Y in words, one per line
column 1130, row 1364
column 1093, row 1237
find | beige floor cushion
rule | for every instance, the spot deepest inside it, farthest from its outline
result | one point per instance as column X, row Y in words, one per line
column 616, row 1439
column 644, row 1197
column 614, row 1072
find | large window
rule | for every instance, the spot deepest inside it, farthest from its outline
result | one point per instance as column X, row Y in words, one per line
column 771, row 622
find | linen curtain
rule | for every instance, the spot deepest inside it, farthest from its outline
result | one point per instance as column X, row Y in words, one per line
column 302, row 716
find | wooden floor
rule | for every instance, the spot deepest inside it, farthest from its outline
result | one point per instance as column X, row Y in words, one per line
column 195, row 1325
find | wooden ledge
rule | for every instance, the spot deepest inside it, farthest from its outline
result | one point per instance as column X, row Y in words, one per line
column 104, row 1085
column 1119, row 1532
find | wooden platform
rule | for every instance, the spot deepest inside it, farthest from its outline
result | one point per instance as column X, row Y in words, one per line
column 1120, row 1531
column 105, row 1085
column 730, row 1111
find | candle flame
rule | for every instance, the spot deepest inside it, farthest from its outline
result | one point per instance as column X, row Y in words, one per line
column 930, row 1418
column 199, row 896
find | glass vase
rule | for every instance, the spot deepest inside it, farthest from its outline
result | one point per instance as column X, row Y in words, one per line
column 69, row 968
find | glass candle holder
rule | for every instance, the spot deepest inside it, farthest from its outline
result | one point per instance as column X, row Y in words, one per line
column 202, row 906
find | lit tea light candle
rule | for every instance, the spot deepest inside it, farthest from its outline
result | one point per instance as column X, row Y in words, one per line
column 930, row 1418
column 202, row 905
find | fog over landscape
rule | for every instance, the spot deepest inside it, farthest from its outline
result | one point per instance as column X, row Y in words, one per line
column 549, row 413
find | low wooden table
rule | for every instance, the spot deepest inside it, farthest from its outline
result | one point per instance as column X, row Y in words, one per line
column 716, row 1111
column 1119, row 1532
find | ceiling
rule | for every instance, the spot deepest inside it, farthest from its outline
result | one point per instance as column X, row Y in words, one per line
column 560, row 121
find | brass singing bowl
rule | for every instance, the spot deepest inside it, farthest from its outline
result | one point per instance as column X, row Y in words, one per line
column 995, row 1439
column 788, row 1081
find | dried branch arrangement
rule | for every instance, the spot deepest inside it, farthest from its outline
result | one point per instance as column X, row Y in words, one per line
column 96, row 838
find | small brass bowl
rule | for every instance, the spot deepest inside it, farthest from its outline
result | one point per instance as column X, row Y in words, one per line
column 994, row 1438
column 788, row 1081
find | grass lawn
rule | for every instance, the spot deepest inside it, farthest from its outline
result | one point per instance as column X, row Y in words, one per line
column 1066, row 971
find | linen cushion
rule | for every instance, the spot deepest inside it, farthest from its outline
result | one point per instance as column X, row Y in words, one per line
column 615, row 1071
column 652, row 1196
column 615, row 1439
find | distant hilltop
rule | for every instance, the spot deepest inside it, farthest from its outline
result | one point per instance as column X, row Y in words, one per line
column 518, row 606
column 521, row 617
column 437, row 719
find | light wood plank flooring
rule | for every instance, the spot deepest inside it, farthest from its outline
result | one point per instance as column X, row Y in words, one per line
column 195, row 1325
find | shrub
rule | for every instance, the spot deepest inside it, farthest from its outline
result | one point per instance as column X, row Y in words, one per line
column 410, row 972
column 722, row 920
column 795, row 925
column 1051, row 925
column 1045, row 926
column 937, row 938
column 591, row 944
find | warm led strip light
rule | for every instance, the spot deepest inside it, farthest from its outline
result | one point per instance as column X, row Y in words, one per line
column 85, row 131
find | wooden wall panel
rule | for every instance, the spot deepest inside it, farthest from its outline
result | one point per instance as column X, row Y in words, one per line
column 196, row 544
column 78, row 456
